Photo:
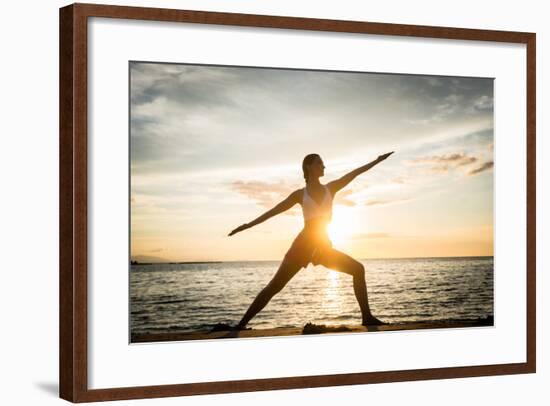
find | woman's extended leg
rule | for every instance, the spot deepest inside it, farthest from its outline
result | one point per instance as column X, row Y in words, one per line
column 338, row 261
column 284, row 274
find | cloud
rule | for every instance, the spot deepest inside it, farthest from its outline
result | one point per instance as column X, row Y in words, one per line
column 439, row 169
column 398, row 180
column 443, row 163
column 483, row 102
column 265, row 194
column 369, row 236
column 342, row 198
column 444, row 99
column 456, row 159
column 485, row 167
column 434, row 81
column 191, row 117
column 268, row 194
column 381, row 202
column 195, row 86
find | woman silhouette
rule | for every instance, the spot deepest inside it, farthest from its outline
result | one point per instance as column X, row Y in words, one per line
column 312, row 244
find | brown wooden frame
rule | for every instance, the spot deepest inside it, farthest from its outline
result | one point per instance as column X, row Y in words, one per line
column 73, row 362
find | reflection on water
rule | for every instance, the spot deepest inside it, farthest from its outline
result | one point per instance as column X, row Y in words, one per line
column 187, row 297
column 332, row 299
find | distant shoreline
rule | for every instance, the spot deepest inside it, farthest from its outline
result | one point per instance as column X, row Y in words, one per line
column 278, row 260
column 175, row 263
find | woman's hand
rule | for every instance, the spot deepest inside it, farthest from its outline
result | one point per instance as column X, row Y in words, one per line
column 242, row 227
column 382, row 157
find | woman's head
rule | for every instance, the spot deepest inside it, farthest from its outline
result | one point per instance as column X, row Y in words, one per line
column 313, row 166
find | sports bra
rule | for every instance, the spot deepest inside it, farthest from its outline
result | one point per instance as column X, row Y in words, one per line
column 312, row 209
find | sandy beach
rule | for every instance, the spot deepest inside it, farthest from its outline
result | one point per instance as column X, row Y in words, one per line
column 219, row 331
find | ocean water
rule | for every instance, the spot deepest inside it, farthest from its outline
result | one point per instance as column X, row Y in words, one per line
column 191, row 297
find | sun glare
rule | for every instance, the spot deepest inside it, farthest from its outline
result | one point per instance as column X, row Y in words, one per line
column 342, row 226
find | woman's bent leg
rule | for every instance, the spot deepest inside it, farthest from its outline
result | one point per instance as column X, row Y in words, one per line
column 283, row 275
column 338, row 261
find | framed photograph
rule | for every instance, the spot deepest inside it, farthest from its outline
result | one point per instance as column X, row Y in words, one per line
column 257, row 202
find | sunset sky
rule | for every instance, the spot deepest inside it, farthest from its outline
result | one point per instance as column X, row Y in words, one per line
column 215, row 147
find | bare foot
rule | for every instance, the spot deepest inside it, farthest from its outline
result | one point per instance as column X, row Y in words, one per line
column 373, row 321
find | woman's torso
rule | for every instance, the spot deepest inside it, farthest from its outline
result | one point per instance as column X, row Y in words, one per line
column 313, row 239
column 317, row 213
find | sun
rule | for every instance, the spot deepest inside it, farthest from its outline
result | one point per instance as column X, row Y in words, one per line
column 342, row 226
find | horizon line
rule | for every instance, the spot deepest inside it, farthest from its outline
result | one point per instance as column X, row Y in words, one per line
column 279, row 260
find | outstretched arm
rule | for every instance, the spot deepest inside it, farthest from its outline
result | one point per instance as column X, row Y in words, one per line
column 341, row 183
column 283, row 206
